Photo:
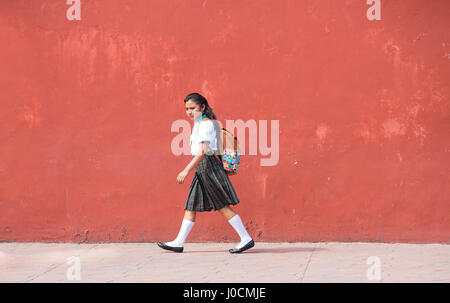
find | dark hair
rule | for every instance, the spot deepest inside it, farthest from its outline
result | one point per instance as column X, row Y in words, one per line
column 200, row 100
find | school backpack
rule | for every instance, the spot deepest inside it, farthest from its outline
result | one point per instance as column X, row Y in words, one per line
column 231, row 156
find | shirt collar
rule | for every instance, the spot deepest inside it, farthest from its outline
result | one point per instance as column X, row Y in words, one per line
column 201, row 118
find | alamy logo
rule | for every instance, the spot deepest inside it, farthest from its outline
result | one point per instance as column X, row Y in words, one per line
column 73, row 12
column 374, row 271
column 74, row 271
column 258, row 138
column 374, row 12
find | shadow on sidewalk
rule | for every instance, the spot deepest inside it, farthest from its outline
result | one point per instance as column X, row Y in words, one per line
column 255, row 250
column 281, row 250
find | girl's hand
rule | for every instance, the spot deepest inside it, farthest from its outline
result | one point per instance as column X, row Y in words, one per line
column 181, row 176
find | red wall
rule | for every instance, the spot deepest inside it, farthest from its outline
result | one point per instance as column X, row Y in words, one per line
column 87, row 108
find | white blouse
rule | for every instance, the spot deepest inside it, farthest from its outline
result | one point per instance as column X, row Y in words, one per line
column 202, row 132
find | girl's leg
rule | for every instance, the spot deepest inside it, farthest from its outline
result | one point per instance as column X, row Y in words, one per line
column 227, row 212
column 235, row 221
column 186, row 226
column 189, row 215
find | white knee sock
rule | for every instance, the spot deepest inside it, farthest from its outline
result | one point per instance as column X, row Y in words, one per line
column 186, row 227
column 238, row 226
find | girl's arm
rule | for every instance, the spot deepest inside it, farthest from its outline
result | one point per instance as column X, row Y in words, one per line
column 194, row 162
column 198, row 158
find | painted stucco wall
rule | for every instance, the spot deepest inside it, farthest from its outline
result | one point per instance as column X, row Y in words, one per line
column 87, row 106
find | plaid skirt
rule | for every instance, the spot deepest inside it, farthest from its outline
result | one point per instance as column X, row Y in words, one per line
column 210, row 188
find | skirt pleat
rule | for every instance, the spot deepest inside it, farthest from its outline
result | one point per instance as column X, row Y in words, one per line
column 211, row 188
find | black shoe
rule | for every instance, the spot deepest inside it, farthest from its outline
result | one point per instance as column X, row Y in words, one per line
column 172, row 248
column 245, row 247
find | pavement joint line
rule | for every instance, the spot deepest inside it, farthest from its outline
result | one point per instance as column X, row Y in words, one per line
column 54, row 267
column 41, row 274
column 307, row 264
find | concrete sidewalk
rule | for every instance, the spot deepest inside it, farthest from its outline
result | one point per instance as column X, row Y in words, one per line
column 211, row 262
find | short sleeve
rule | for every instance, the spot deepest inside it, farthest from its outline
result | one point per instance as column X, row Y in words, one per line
column 204, row 131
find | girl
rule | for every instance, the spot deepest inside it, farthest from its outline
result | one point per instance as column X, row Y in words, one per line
column 210, row 188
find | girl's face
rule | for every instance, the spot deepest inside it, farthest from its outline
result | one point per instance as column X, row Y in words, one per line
column 193, row 110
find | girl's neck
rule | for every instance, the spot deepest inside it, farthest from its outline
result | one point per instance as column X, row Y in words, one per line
column 201, row 118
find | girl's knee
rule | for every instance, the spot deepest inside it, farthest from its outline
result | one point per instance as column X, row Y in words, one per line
column 227, row 211
column 224, row 209
column 189, row 214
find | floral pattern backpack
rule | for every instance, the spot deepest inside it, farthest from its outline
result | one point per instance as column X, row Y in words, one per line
column 231, row 156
